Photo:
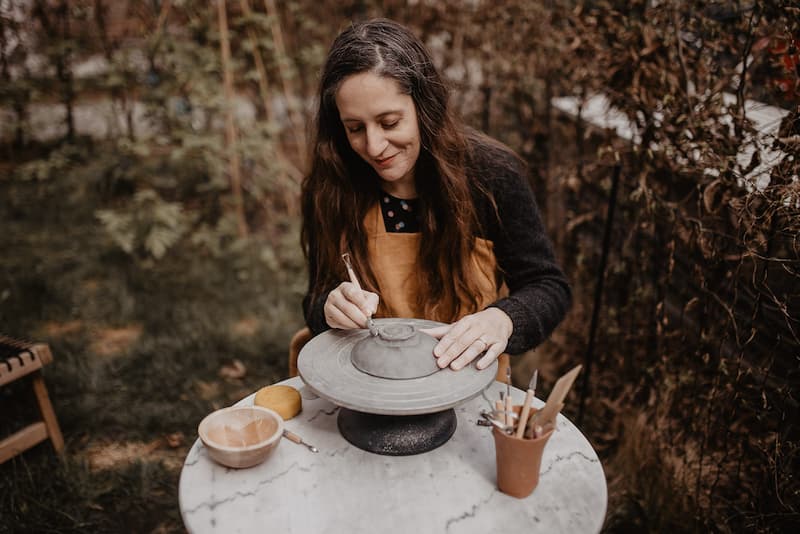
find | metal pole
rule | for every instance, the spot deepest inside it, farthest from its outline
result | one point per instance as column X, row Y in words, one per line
column 598, row 290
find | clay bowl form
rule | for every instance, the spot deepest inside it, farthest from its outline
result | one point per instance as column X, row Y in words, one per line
column 241, row 436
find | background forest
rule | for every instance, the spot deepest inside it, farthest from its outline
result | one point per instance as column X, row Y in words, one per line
column 150, row 160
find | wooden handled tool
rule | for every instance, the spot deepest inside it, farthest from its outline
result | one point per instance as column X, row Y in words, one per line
column 535, row 422
column 526, row 406
column 350, row 272
column 500, row 407
column 373, row 330
column 509, row 404
column 555, row 401
column 291, row 436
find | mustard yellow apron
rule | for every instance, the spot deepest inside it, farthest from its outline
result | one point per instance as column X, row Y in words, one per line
column 393, row 257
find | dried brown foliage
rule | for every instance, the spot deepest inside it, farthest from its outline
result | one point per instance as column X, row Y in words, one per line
column 694, row 393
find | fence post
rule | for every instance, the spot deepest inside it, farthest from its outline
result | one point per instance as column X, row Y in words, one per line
column 598, row 290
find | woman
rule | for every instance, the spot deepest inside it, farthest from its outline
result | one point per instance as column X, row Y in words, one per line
column 438, row 219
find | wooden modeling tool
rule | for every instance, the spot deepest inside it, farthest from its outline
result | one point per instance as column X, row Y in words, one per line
column 373, row 330
column 526, row 406
column 500, row 407
column 291, row 436
column 509, row 404
column 555, row 401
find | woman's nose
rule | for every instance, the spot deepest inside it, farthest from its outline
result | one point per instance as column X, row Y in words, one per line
column 376, row 142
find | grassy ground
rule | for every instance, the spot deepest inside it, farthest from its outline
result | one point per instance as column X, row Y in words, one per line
column 143, row 350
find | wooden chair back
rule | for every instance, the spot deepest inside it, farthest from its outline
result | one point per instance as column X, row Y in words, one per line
column 19, row 359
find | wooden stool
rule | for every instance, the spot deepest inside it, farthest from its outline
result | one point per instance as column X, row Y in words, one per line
column 19, row 359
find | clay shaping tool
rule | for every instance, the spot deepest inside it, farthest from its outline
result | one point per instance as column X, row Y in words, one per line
column 509, row 402
column 555, row 401
column 500, row 406
column 499, row 424
column 373, row 330
column 526, row 407
column 291, row 436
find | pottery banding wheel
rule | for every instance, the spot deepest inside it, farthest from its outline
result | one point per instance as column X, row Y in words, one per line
column 419, row 408
column 325, row 366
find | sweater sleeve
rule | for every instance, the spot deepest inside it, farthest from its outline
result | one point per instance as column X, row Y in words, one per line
column 539, row 294
column 314, row 313
column 314, row 309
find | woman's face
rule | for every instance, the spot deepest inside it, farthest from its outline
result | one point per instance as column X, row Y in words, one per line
column 381, row 125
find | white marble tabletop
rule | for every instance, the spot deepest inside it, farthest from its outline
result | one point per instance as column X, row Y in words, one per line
column 345, row 489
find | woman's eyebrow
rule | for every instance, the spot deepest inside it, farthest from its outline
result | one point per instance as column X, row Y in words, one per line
column 379, row 116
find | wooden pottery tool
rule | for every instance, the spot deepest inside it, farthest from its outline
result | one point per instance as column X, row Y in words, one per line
column 555, row 401
column 526, row 406
column 509, row 403
column 500, row 406
column 291, row 436
column 535, row 421
column 354, row 280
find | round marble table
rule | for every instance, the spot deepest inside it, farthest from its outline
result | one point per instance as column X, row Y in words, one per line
column 345, row 489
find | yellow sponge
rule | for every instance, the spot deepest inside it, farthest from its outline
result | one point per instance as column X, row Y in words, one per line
column 283, row 399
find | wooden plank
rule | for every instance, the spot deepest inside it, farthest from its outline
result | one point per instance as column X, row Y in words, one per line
column 42, row 352
column 49, row 416
column 22, row 440
column 13, row 369
column 16, row 343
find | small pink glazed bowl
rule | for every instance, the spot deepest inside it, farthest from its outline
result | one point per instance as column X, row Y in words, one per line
column 241, row 436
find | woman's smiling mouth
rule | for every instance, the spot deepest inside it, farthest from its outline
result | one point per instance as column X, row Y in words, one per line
column 385, row 162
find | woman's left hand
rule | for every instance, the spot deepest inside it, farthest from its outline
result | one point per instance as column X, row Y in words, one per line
column 463, row 341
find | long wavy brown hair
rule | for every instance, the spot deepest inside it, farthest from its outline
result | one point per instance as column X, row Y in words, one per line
column 341, row 187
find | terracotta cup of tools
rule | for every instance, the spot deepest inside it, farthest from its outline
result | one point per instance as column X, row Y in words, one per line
column 518, row 461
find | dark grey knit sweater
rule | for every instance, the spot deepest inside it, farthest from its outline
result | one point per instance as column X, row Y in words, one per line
column 539, row 295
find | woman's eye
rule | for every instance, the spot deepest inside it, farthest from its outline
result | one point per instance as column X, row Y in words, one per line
column 390, row 125
column 354, row 129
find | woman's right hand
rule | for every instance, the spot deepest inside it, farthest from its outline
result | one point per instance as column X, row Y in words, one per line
column 348, row 307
